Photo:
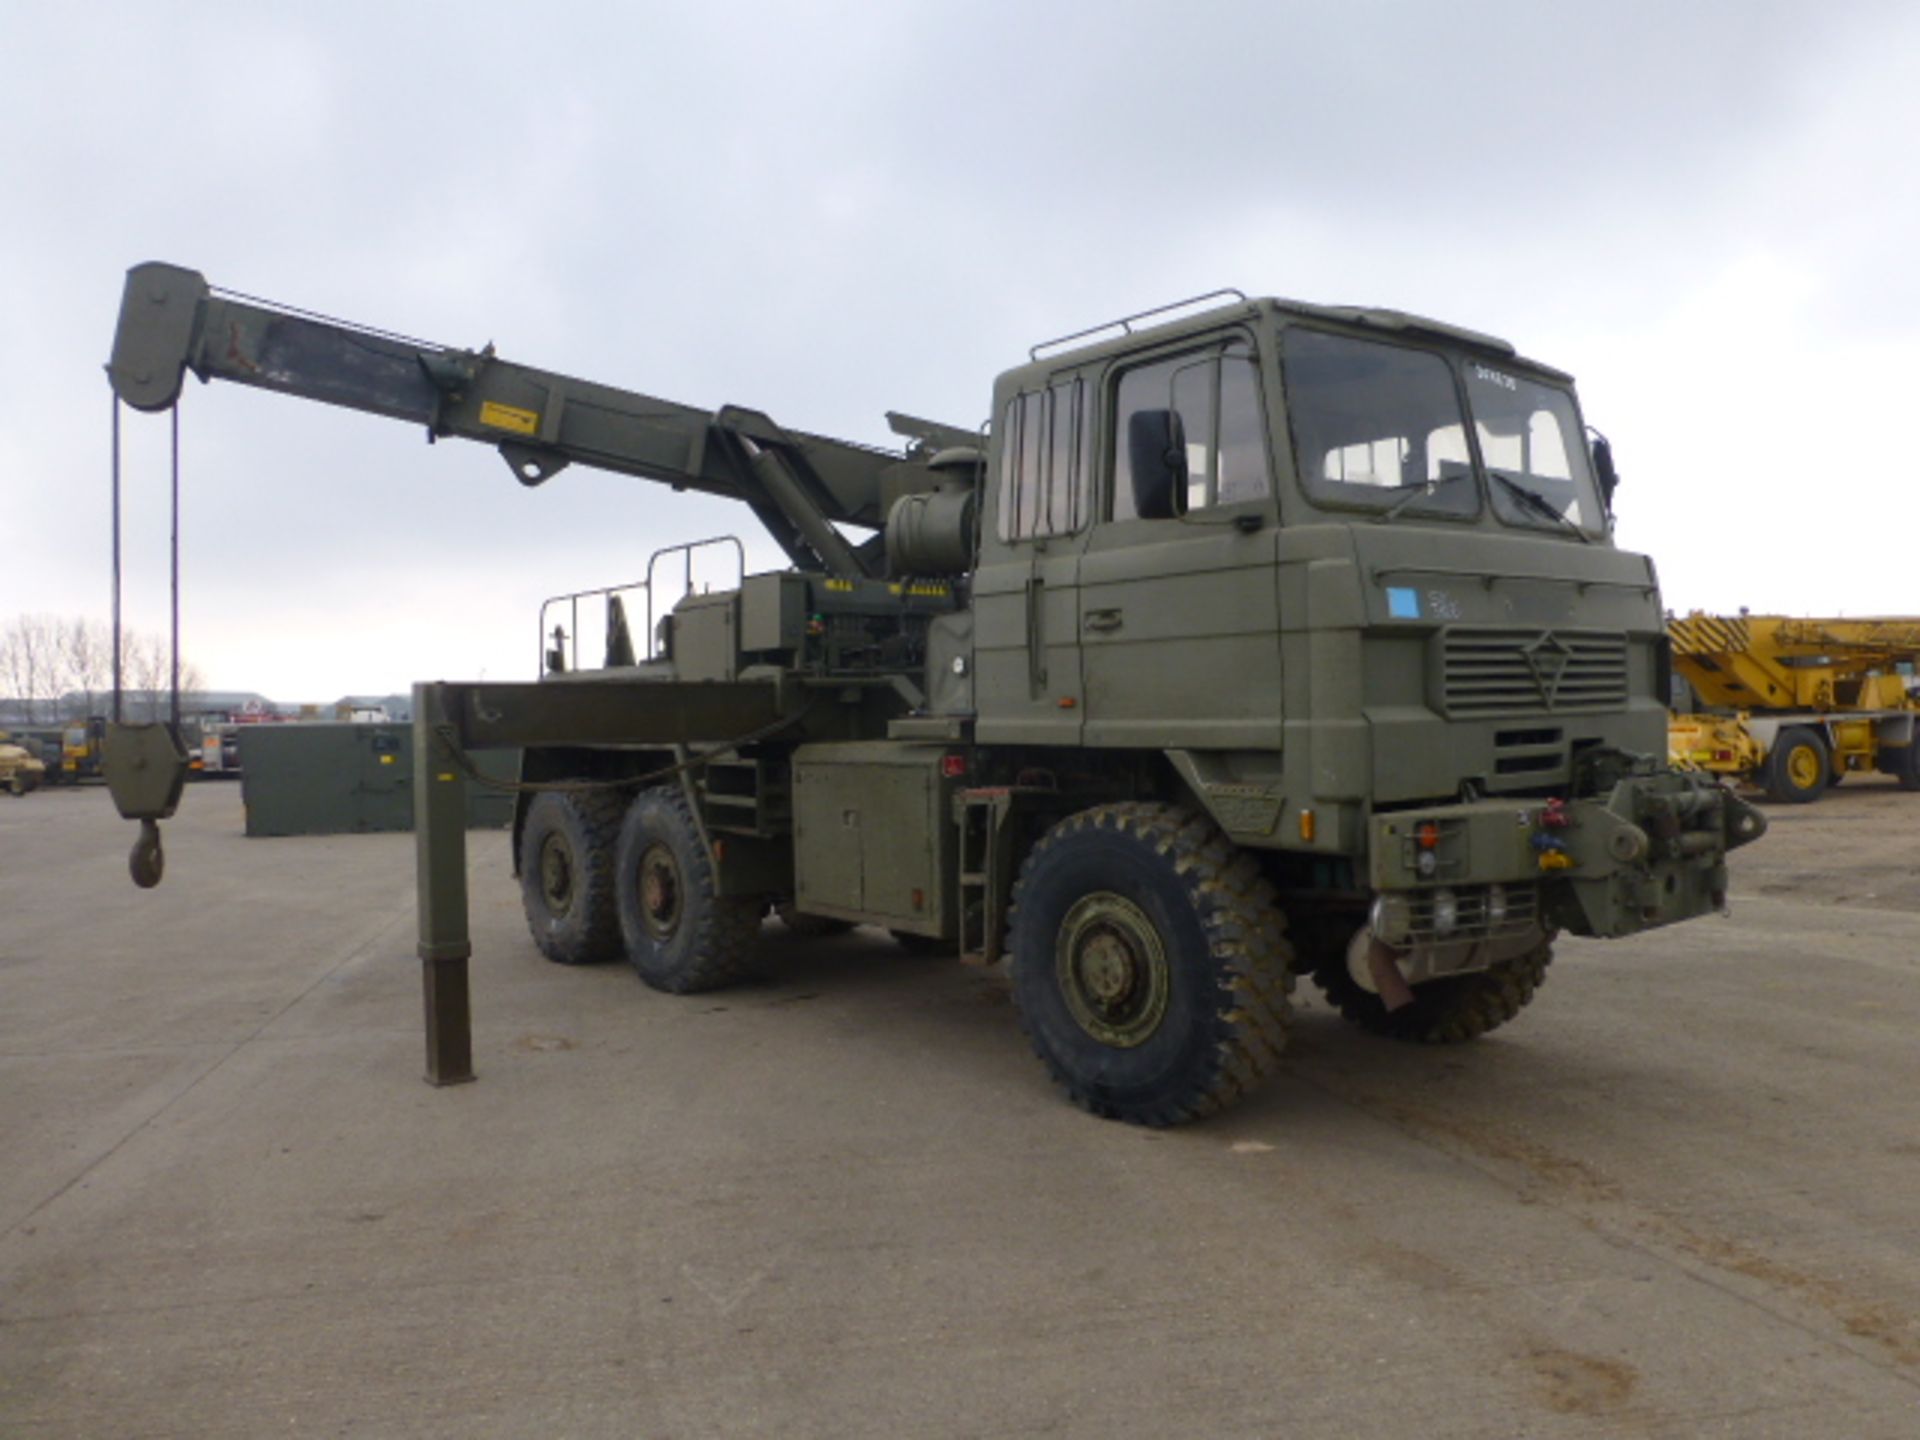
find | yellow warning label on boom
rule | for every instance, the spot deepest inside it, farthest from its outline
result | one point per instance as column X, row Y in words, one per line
column 509, row 417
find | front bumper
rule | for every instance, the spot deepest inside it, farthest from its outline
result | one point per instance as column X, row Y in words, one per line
column 1648, row 848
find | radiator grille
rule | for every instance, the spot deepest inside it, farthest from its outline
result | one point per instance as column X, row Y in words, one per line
column 1505, row 670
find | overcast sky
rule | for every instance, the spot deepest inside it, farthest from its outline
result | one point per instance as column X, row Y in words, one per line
column 1708, row 213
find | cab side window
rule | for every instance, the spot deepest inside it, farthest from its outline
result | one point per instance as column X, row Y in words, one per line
column 1201, row 413
column 1046, row 446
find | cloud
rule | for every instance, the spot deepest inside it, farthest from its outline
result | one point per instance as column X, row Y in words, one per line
column 826, row 211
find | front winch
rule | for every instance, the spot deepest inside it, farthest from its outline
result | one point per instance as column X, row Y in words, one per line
column 1644, row 846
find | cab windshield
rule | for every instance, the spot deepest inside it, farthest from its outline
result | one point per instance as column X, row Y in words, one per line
column 1531, row 445
column 1381, row 427
column 1377, row 425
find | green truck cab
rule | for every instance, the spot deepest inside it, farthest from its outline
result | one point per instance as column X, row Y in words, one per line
column 1351, row 573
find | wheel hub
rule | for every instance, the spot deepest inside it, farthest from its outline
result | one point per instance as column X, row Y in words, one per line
column 1803, row 767
column 1109, row 969
column 556, row 874
column 1111, row 965
column 660, row 891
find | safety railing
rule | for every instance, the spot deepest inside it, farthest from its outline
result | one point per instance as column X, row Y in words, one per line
column 559, row 643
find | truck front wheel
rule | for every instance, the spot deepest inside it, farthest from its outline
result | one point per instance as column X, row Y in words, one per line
column 1444, row 1011
column 1150, row 967
column 566, row 875
column 681, row 935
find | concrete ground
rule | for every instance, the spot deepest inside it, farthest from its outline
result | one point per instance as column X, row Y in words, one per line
column 1680, row 1197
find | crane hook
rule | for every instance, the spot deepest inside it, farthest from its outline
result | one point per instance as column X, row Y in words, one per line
column 147, row 861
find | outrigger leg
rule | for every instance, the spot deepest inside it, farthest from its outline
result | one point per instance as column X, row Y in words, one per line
column 440, row 850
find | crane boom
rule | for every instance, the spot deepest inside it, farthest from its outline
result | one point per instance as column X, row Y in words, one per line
column 1779, row 662
column 800, row 486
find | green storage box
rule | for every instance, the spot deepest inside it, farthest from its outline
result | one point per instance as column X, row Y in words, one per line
column 307, row 778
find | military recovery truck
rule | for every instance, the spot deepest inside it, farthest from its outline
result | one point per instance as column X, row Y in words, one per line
column 1249, row 640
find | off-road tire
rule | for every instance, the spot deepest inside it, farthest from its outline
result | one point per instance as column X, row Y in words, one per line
column 1798, row 767
column 567, row 849
column 680, row 935
column 1150, row 875
column 1446, row 1011
column 803, row 926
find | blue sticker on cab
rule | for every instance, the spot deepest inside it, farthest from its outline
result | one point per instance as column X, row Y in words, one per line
column 1403, row 603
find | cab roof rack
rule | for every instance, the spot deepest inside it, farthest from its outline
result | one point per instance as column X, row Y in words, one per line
column 1125, row 323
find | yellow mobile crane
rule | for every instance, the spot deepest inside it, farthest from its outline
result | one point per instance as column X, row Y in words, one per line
column 1798, row 703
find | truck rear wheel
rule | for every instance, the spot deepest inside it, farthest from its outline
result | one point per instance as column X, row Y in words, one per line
column 566, row 875
column 1797, row 766
column 1150, row 967
column 681, row 935
column 1444, row 1011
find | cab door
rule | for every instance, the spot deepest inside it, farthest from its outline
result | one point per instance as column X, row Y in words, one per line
column 1026, row 595
column 1178, row 584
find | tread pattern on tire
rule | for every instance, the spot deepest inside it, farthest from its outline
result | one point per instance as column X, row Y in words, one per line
column 720, row 931
column 1447, row 1011
column 598, row 815
column 1246, row 935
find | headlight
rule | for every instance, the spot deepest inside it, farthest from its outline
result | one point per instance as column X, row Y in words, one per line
column 1496, row 904
column 1390, row 917
column 1446, row 912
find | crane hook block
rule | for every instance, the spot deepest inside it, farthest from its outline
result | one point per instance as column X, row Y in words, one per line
column 146, row 769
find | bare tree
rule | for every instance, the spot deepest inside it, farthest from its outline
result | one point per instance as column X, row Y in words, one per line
column 87, row 647
column 45, row 659
column 30, row 662
column 148, row 674
column 18, row 672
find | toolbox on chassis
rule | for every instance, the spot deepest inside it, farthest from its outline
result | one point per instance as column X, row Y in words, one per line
column 1251, row 639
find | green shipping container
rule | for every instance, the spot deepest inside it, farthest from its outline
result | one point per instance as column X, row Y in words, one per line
column 341, row 779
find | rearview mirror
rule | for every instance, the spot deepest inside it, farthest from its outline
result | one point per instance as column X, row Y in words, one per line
column 1603, row 469
column 1157, row 456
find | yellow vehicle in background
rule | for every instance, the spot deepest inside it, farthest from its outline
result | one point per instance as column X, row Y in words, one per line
column 1795, row 705
column 81, row 746
column 20, row 769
